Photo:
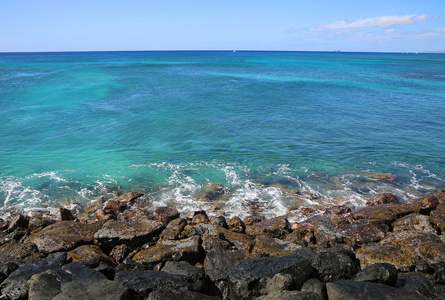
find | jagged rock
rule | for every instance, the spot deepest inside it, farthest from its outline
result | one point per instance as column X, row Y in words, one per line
column 114, row 207
column 204, row 230
column 236, row 224
column 63, row 236
column 249, row 278
column 120, row 252
column 187, row 249
column 426, row 204
column 194, row 275
column 179, row 295
column 413, row 222
column 215, row 242
column 267, row 246
column 401, row 209
column 440, row 195
column 218, row 263
column 79, row 271
column 275, row 227
column 238, row 240
column 20, row 252
column 145, row 282
column 364, row 231
column 130, row 196
column 326, row 232
column 65, row 215
column 174, row 229
column 422, row 286
column 250, row 220
column 437, row 217
column 38, row 222
column 93, row 257
column 378, row 273
column 290, row 295
column 315, row 286
column 132, row 232
column 18, row 221
column 353, row 290
column 15, row 286
column 166, row 214
column 385, row 198
column 302, row 235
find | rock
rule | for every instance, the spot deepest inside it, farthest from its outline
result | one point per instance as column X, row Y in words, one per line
column 79, row 271
column 174, row 229
column 20, row 252
column 63, row 236
column 187, row 249
column 179, row 295
column 65, row 215
column 301, row 235
column 15, row 286
column 211, row 191
column 402, row 209
column 352, row 290
column 426, row 204
column 378, row 273
column 194, row 275
column 220, row 221
column 385, row 198
column 440, row 195
column 204, row 230
column 439, row 275
column 238, row 240
column 315, row 286
column 413, row 222
column 280, row 282
column 216, row 242
column 18, row 221
column 38, row 222
column 421, row 285
column 130, row 196
column 364, row 231
column 290, row 295
column 236, row 224
column 200, row 217
column 218, row 263
column 95, row 289
column 385, row 177
column 166, row 214
column 114, row 207
column 334, row 263
column 132, row 232
column 145, row 282
column 249, row 278
column 326, row 233
column 437, row 217
column 93, row 257
column 120, row 252
column 46, row 285
column 276, row 227
column 250, row 220
column 378, row 214
column 267, row 246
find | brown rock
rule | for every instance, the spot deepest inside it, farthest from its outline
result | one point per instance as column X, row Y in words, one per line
column 276, row 227
column 302, row 236
column 89, row 214
column 120, row 252
column 211, row 191
column 187, row 249
column 132, row 232
column 63, row 236
column 427, row 204
column 250, row 220
column 401, row 209
column 378, row 214
column 65, row 215
column 18, row 221
column 90, row 255
column 174, row 229
column 382, row 176
column 266, row 246
column 404, row 258
column 200, row 217
column 385, row 198
column 166, row 214
column 326, row 233
column 236, row 224
column 238, row 240
column 437, row 217
column 22, row 252
column 440, row 195
column 114, row 207
column 3, row 224
column 413, row 222
column 130, row 196
column 38, row 222
column 364, row 231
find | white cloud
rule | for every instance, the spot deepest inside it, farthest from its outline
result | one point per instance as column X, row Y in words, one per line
column 383, row 21
column 390, row 30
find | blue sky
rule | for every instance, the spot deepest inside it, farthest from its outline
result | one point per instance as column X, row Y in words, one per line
column 319, row 25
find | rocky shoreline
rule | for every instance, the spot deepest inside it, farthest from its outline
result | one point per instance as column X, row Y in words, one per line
column 120, row 249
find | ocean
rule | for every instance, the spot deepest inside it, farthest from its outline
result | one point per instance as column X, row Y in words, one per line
column 274, row 130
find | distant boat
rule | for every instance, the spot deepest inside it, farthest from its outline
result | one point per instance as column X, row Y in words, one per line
column 234, row 51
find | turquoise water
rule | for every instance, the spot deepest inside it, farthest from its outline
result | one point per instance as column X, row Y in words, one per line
column 76, row 125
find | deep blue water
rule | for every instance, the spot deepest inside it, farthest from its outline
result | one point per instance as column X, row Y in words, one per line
column 164, row 123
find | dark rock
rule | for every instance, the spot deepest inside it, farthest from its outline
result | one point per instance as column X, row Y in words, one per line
column 17, row 235
column 120, row 252
column 130, row 196
column 95, row 289
column 249, row 278
column 65, row 215
column 200, row 217
column 402, row 209
column 250, row 220
column 174, row 229
column 47, row 285
column 166, row 214
column 353, row 290
column 280, row 282
column 315, row 286
column 218, row 263
column 18, row 221
column 20, row 252
column 378, row 273
column 194, row 275
column 290, row 295
column 93, row 257
column 179, row 295
column 413, row 222
column 276, row 227
column 326, row 233
column 421, row 285
column 236, row 224
column 132, row 232
column 238, row 240
column 216, row 242
column 79, row 271
column 437, row 217
column 63, row 236
column 302, row 235
column 268, row 246
column 426, row 204
column 220, row 221
column 145, row 282
column 439, row 275
column 187, row 249
column 15, row 286
column 38, row 222
column 114, row 207
column 3, row 224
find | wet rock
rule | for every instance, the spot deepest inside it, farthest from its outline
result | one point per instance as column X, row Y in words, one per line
column 385, row 198
column 18, row 221
column 401, row 209
column 315, row 286
column 120, row 252
column 352, row 290
column 250, row 220
column 275, row 227
column 268, row 246
column 200, row 217
column 378, row 273
column 218, row 263
column 440, row 195
column 211, row 191
column 93, row 257
column 193, row 275
column 385, row 177
column 364, row 231
column 179, row 295
column 174, row 229
column 145, row 282
column 166, row 214
column 421, row 285
column 236, row 224
column 89, row 214
column 133, row 232
column 15, row 286
column 187, row 249
column 65, row 215
column 249, row 278
column 290, row 295
column 19, row 234
column 426, row 204
column 130, row 196
column 413, row 222
column 437, row 217
column 114, row 207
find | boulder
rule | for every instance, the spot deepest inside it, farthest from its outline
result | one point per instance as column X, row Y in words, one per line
column 249, row 278
column 200, row 217
column 439, row 275
column 291, row 295
column 220, row 221
column 193, row 275
column 166, row 214
column 16, row 222
column 47, row 285
column 210, row 191
column 364, row 231
column 421, row 285
column 20, row 252
column 120, row 252
column 385, row 198
column 132, row 232
column 440, row 195
column 377, row 214
column 268, row 246
column 63, row 236
column 280, row 282
column 437, row 217
column 275, row 227
column 218, row 263
column 174, row 229
column 426, row 204
column 378, row 273
column 326, row 233
column 179, row 295
column 413, row 222
column 95, row 289
column 93, row 257
column 238, row 240
column 130, row 196
column 236, row 224
column 353, row 290
column 315, row 286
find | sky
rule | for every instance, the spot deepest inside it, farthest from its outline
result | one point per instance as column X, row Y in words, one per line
column 317, row 25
